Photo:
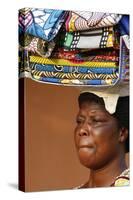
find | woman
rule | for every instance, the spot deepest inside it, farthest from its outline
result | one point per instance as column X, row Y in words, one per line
column 101, row 140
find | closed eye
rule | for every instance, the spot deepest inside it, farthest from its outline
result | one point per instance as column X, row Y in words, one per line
column 98, row 121
column 78, row 121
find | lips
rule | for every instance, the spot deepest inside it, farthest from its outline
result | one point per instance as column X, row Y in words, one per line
column 85, row 143
column 85, row 147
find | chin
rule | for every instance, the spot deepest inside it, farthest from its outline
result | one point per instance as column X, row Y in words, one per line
column 87, row 159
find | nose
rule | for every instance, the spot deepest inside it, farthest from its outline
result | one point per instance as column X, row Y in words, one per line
column 83, row 132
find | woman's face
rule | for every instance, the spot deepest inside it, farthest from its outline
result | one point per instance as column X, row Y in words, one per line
column 96, row 136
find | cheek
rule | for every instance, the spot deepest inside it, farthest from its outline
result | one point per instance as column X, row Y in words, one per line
column 106, row 140
column 76, row 137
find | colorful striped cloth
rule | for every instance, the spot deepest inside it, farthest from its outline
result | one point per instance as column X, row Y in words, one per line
column 75, row 75
column 88, row 52
column 64, row 62
column 73, row 69
column 75, row 82
column 66, row 72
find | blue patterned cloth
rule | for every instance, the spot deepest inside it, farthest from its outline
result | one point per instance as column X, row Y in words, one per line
column 124, row 25
column 75, row 82
column 69, row 69
column 42, row 23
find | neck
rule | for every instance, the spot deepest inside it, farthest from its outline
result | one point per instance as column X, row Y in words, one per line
column 106, row 175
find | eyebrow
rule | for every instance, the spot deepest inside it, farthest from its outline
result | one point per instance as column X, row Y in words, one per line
column 93, row 113
column 80, row 116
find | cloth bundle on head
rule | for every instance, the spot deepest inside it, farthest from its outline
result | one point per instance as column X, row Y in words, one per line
column 94, row 68
column 74, row 48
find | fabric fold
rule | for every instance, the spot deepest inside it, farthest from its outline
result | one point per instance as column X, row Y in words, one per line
column 35, row 45
column 42, row 23
column 72, row 69
column 93, row 39
column 96, row 55
column 85, row 20
column 74, row 82
column 74, row 48
column 64, row 62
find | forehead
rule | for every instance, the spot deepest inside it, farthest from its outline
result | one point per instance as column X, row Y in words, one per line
column 92, row 107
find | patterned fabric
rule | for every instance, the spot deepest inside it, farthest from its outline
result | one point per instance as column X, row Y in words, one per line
column 67, row 72
column 124, row 25
column 35, row 45
column 74, row 82
column 124, row 62
column 97, row 55
column 89, row 52
column 84, row 20
column 72, row 69
column 92, row 39
column 54, row 61
column 124, row 29
column 42, row 23
column 122, row 180
column 67, row 75
column 24, row 64
column 74, row 75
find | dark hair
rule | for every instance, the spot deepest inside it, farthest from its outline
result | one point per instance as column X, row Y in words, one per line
column 90, row 97
column 121, row 113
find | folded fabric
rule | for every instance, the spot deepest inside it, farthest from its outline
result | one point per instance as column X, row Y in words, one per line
column 72, row 69
column 85, row 20
column 65, row 72
column 36, row 45
column 124, row 25
column 42, row 23
column 24, row 64
column 63, row 62
column 87, row 52
column 74, row 82
column 75, row 75
column 124, row 62
column 97, row 55
column 92, row 39
column 124, row 29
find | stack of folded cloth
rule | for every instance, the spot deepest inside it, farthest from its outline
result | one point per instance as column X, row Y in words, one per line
column 72, row 47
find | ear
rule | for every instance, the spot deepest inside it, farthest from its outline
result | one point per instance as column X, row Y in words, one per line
column 123, row 134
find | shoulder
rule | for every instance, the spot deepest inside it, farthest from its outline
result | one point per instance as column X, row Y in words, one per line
column 123, row 179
